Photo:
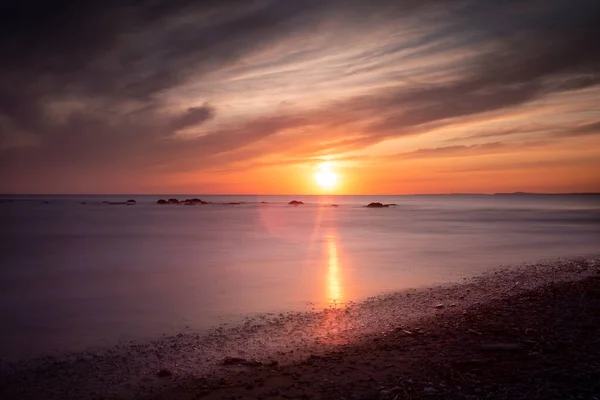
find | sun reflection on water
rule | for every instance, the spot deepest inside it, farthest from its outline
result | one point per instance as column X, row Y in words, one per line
column 335, row 292
column 334, row 321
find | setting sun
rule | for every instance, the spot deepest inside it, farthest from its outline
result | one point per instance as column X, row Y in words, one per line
column 325, row 177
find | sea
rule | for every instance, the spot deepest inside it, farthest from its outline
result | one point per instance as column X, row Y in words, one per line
column 83, row 272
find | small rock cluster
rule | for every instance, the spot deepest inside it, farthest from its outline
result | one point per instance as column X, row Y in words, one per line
column 186, row 202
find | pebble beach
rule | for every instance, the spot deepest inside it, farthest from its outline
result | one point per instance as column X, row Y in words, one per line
column 510, row 333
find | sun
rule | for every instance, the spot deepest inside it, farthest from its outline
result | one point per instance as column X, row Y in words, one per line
column 325, row 177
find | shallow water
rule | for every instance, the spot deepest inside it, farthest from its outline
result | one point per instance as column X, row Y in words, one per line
column 75, row 276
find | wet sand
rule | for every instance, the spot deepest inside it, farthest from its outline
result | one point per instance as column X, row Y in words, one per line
column 521, row 332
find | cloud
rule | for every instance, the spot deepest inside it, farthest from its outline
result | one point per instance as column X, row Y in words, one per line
column 469, row 150
column 92, row 85
column 501, row 132
column 457, row 151
column 193, row 116
column 586, row 129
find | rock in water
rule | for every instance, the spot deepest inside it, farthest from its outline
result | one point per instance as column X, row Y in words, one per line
column 377, row 205
column 161, row 201
column 195, row 200
column 295, row 203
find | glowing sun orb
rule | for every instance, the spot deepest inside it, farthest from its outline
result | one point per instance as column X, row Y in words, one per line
column 325, row 177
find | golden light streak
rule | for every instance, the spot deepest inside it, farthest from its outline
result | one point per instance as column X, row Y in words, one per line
column 334, row 282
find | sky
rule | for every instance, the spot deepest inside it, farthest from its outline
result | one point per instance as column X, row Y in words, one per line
column 245, row 96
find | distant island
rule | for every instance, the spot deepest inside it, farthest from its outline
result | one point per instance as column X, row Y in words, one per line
column 546, row 194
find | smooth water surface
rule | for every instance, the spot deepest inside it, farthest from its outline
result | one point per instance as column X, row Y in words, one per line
column 75, row 276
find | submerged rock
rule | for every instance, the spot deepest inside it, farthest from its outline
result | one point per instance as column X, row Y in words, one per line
column 161, row 201
column 295, row 203
column 173, row 201
column 131, row 201
column 117, row 203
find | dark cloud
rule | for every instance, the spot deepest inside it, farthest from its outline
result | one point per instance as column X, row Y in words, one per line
column 503, row 132
column 87, row 80
column 590, row 129
column 469, row 150
column 192, row 117
column 458, row 151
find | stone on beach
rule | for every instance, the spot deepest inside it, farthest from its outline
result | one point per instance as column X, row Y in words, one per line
column 164, row 373
column 429, row 390
column 501, row 347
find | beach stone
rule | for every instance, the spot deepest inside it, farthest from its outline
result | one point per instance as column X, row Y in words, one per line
column 439, row 306
column 430, row 390
column 501, row 347
column 164, row 373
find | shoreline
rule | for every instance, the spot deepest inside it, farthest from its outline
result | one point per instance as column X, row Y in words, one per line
column 276, row 347
column 538, row 344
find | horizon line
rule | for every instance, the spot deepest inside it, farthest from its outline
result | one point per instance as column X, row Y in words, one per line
column 307, row 194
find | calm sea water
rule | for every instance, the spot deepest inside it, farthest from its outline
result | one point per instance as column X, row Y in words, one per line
column 76, row 276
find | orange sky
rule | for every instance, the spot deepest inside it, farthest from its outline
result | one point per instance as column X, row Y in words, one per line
column 479, row 97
